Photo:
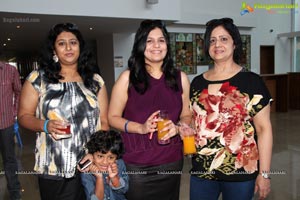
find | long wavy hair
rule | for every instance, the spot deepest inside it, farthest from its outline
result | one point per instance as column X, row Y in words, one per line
column 139, row 78
column 86, row 65
column 227, row 24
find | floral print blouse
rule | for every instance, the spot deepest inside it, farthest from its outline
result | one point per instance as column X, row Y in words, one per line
column 225, row 134
column 73, row 102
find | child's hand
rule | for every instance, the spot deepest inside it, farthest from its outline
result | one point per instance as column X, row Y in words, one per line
column 95, row 170
column 85, row 158
column 113, row 174
column 112, row 170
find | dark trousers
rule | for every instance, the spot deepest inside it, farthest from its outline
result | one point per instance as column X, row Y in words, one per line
column 160, row 182
column 206, row 189
column 63, row 189
column 7, row 147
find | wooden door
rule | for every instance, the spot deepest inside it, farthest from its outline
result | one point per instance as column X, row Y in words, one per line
column 266, row 59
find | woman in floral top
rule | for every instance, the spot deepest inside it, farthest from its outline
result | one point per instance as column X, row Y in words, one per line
column 231, row 112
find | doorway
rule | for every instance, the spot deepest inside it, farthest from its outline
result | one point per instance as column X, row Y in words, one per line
column 266, row 59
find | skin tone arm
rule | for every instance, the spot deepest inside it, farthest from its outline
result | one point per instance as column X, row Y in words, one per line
column 186, row 114
column 26, row 112
column 117, row 104
column 103, row 104
column 265, row 142
column 113, row 175
column 99, row 187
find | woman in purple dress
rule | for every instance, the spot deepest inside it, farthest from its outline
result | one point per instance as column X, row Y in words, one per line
column 151, row 84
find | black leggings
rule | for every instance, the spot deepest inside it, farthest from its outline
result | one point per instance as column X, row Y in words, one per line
column 63, row 189
column 154, row 182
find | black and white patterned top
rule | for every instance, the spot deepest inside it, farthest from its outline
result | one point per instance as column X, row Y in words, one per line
column 78, row 105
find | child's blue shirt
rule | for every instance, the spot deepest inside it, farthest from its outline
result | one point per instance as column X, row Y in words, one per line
column 88, row 181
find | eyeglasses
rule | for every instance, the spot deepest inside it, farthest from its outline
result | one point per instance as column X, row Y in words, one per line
column 222, row 39
column 220, row 21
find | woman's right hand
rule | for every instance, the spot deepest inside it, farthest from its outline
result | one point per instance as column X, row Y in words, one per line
column 55, row 127
column 150, row 125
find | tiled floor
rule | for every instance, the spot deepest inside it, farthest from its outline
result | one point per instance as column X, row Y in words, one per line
column 285, row 162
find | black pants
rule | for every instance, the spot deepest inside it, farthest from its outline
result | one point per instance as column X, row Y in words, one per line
column 155, row 182
column 63, row 189
column 7, row 145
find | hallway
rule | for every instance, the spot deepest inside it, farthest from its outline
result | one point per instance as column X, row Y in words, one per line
column 285, row 180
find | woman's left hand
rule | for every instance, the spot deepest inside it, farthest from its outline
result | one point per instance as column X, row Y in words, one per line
column 262, row 186
column 171, row 128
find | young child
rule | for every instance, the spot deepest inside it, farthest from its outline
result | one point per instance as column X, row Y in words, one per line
column 107, row 177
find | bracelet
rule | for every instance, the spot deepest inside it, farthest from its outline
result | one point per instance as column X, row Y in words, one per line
column 45, row 126
column 125, row 126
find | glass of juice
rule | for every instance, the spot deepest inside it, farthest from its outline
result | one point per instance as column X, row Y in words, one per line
column 188, row 137
column 163, row 118
column 189, row 147
column 67, row 131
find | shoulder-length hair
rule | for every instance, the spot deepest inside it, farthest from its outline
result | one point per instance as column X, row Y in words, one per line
column 227, row 24
column 139, row 78
column 86, row 65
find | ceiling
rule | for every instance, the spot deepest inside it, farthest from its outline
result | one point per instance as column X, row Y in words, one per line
column 28, row 38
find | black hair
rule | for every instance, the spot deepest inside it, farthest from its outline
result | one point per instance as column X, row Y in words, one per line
column 86, row 64
column 228, row 25
column 104, row 141
column 139, row 78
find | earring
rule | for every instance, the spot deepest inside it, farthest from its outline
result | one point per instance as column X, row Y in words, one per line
column 55, row 58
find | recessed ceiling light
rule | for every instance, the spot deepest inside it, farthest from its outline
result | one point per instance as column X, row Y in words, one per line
column 4, row 44
column 91, row 28
column 8, row 39
column 18, row 26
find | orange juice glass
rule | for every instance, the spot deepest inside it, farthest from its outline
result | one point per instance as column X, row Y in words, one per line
column 189, row 147
column 187, row 133
column 163, row 115
column 160, row 133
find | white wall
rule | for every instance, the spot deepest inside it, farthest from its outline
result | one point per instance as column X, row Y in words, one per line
column 192, row 13
column 122, row 47
column 195, row 14
column 123, row 44
column 101, row 8
column 258, row 23
column 297, row 14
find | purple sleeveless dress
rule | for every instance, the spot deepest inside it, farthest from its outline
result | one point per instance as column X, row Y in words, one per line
column 139, row 149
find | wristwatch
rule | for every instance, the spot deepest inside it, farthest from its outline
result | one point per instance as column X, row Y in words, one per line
column 265, row 175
